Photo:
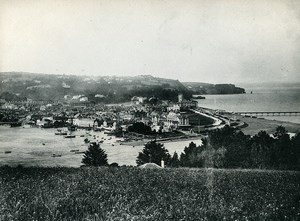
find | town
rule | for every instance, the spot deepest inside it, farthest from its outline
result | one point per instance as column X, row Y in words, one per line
column 141, row 118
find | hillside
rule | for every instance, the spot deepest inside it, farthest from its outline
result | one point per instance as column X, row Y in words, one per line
column 205, row 88
column 106, row 89
column 148, row 194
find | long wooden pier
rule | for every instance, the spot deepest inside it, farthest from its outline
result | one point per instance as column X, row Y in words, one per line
column 270, row 113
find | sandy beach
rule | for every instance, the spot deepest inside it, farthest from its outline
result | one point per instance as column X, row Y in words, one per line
column 257, row 124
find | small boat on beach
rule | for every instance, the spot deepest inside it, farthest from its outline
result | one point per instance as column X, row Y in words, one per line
column 56, row 155
column 70, row 136
column 8, row 151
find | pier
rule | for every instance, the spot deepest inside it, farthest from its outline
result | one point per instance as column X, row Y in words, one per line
column 270, row 113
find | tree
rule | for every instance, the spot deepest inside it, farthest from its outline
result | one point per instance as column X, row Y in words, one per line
column 192, row 156
column 282, row 148
column 261, row 150
column 238, row 151
column 153, row 153
column 221, row 137
column 94, row 156
column 295, row 143
column 175, row 160
column 280, row 132
column 140, row 127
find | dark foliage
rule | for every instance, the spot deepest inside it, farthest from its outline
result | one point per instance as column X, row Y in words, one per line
column 140, row 127
column 175, row 160
column 191, row 157
column 11, row 97
column 95, row 156
column 230, row 148
column 154, row 152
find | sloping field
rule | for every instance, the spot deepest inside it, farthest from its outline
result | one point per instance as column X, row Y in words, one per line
column 148, row 194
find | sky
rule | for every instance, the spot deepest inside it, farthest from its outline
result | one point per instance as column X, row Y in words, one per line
column 214, row 41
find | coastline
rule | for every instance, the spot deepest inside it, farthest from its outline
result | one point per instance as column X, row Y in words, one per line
column 39, row 151
column 258, row 124
column 169, row 140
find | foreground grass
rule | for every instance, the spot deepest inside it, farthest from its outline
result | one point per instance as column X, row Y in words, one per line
column 136, row 194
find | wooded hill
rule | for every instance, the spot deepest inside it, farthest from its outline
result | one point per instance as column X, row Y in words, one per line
column 205, row 88
column 107, row 89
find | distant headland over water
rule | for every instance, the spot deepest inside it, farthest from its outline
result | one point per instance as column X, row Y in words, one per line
column 102, row 89
column 265, row 97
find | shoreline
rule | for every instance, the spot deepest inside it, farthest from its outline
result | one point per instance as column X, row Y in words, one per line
column 169, row 140
column 124, row 153
column 254, row 126
column 258, row 124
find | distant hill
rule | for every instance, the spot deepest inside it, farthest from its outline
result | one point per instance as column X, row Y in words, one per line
column 205, row 88
column 107, row 89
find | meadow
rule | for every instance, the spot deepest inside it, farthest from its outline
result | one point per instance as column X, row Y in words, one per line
column 130, row 193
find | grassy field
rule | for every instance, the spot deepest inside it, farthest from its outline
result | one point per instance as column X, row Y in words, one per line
column 141, row 194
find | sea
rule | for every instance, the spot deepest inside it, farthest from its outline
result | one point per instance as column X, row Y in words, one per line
column 264, row 97
column 29, row 146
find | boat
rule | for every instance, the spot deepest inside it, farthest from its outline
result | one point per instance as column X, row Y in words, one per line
column 61, row 133
column 198, row 97
column 8, row 151
column 70, row 136
column 74, row 150
column 56, row 155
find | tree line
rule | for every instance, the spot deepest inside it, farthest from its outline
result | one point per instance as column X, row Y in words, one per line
column 231, row 148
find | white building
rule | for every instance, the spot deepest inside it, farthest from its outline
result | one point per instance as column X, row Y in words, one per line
column 83, row 99
column 174, row 108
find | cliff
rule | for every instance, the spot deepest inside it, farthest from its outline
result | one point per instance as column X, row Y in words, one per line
column 204, row 88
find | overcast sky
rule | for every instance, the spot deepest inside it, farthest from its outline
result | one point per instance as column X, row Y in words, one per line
column 208, row 41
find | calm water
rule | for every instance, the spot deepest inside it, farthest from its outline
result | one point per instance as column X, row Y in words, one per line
column 35, row 146
column 263, row 98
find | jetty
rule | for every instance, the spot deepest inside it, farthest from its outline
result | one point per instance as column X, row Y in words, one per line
column 269, row 113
